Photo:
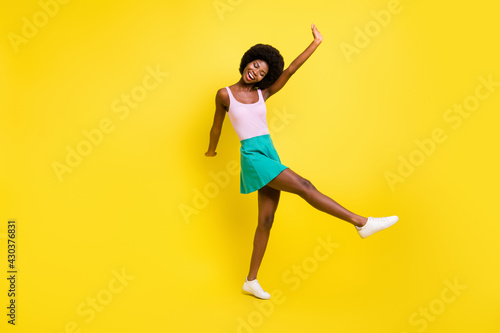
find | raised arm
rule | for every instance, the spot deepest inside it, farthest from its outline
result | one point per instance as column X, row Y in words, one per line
column 220, row 114
column 287, row 73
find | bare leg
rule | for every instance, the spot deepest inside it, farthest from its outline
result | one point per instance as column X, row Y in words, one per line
column 268, row 203
column 289, row 181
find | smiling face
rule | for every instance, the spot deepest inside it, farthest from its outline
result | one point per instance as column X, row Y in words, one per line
column 255, row 71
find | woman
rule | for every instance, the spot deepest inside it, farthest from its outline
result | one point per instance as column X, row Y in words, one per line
column 262, row 76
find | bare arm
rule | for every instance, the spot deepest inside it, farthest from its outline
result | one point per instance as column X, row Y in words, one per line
column 295, row 65
column 220, row 114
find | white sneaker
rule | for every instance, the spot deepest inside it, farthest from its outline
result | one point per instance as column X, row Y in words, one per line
column 375, row 224
column 253, row 287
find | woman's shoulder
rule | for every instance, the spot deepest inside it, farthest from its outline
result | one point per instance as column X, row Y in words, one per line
column 222, row 91
column 223, row 96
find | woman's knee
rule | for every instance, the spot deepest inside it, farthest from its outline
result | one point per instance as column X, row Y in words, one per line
column 305, row 187
column 266, row 221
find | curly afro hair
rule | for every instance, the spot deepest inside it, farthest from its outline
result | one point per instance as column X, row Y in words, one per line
column 270, row 55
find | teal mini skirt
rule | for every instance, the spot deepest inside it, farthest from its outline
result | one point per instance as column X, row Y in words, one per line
column 260, row 163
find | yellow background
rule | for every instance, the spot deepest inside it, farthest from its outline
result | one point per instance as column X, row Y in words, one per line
column 123, row 208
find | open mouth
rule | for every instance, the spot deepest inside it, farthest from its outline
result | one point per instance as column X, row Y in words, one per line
column 250, row 76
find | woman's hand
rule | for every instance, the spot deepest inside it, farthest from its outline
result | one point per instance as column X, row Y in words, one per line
column 295, row 65
column 209, row 154
column 318, row 38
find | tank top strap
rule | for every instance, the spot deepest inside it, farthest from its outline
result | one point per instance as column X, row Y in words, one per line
column 261, row 98
column 230, row 94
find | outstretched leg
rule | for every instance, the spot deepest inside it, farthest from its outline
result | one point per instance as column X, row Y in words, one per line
column 268, row 199
column 289, row 181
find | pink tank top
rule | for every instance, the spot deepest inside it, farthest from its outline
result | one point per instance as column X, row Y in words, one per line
column 248, row 120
